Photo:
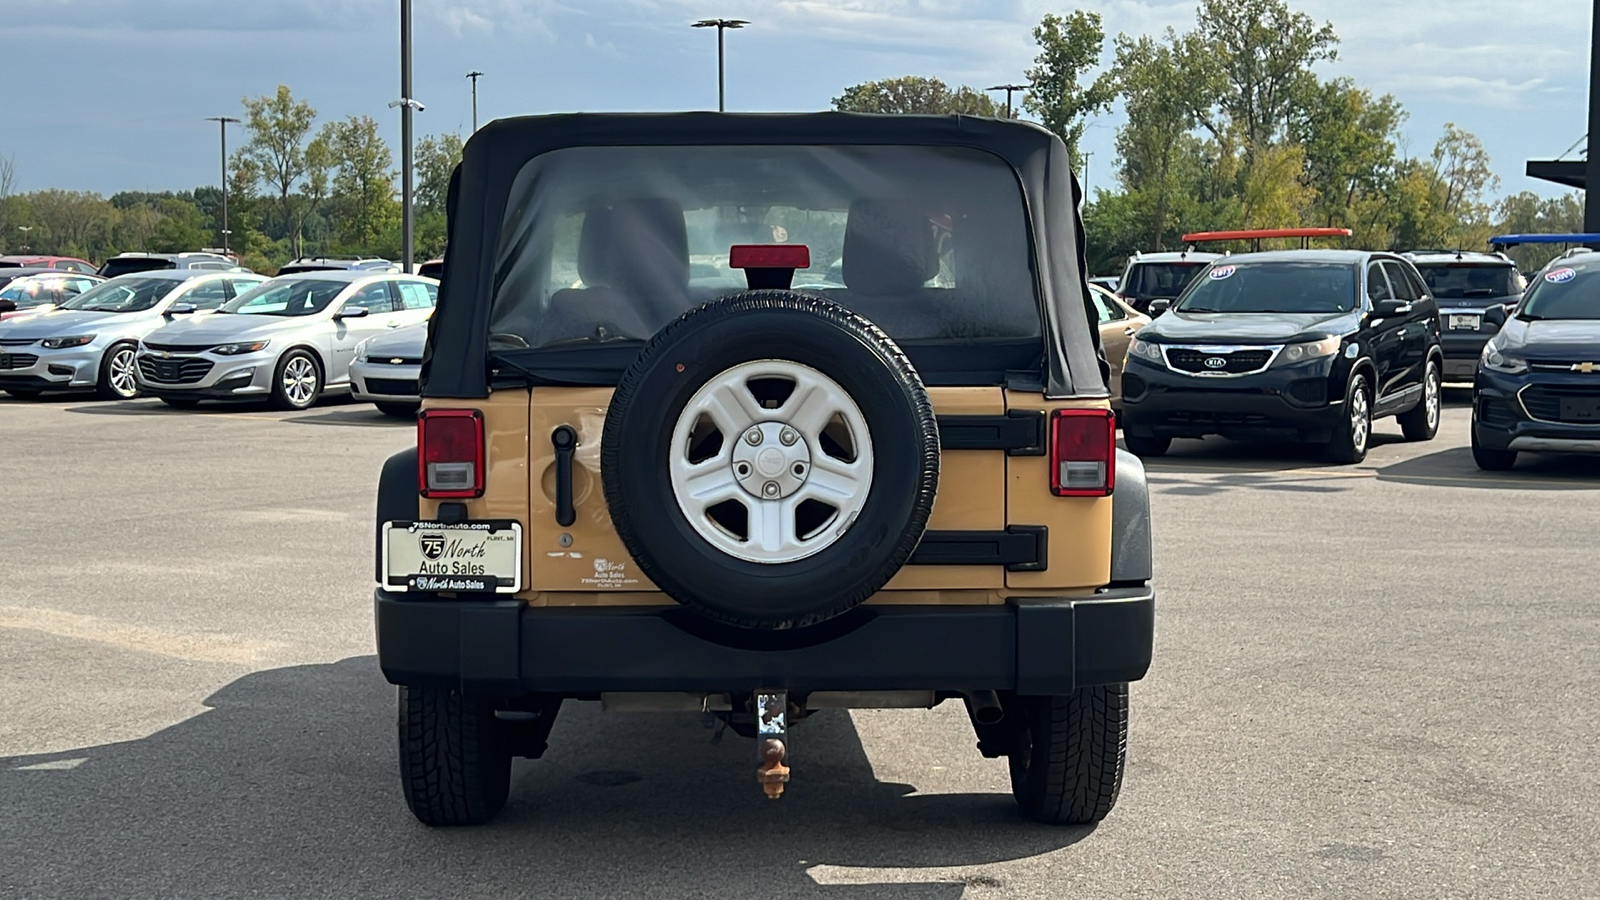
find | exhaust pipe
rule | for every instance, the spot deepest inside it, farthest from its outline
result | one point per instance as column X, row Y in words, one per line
column 985, row 707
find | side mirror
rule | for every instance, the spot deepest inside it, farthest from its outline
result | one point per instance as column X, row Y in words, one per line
column 352, row 312
column 8, row 306
column 180, row 309
column 1388, row 309
column 1495, row 315
column 1159, row 306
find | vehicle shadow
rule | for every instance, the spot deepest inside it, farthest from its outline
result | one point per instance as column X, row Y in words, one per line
column 1214, row 454
column 286, row 786
column 358, row 416
column 1533, row 472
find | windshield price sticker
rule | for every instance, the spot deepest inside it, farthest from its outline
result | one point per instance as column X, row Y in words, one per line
column 1221, row 272
column 1560, row 276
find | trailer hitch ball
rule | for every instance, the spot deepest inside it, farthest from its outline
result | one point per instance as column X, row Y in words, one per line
column 772, row 774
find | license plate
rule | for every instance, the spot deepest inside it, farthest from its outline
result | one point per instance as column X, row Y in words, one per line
column 1465, row 323
column 467, row 556
column 1580, row 409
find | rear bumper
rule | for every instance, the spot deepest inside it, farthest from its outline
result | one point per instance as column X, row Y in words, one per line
column 1034, row 646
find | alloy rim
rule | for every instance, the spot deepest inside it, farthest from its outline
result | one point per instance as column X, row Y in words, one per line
column 1359, row 420
column 771, row 461
column 120, row 374
column 1431, row 396
column 300, row 381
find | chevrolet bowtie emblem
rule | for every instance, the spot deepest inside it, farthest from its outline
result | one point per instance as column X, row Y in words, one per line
column 1587, row 368
column 397, row 361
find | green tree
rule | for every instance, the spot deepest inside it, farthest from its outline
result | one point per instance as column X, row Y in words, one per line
column 279, row 127
column 1349, row 138
column 436, row 158
column 1069, row 46
column 1462, row 165
column 182, row 226
column 362, row 189
column 914, row 94
column 1261, row 53
column 1160, row 116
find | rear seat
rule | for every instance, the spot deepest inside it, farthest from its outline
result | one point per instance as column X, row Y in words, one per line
column 633, row 257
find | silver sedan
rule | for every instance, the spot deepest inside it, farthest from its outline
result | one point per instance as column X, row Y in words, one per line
column 388, row 370
column 288, row 341
column 87, row 343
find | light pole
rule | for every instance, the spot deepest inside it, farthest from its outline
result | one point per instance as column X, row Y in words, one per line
column 720, row 25
column 474, row 76
column 408, row 105
column 1086, row 158
column 1009, row 88
column 222, row 122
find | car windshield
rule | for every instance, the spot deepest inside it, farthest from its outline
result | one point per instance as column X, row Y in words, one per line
column 1273, row 287
column 26, row 292
column 123, row 295
column 611, row 243
column 1153, row 280
column 286, row 297
column 1563, row 293
column 1455, row 280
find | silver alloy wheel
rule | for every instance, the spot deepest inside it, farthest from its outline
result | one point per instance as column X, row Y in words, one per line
column 1430, row 396
column 798, row 464
column 119, row 373
column 1360, row 420
column 300, row 381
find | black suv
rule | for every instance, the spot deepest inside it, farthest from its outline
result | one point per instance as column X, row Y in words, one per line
column 1474, row 292
column 1538, row 385
column 1309, row 345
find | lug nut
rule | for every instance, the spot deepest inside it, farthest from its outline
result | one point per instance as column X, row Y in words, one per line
column 770, row 489
column 788, row 436
column 752, row 437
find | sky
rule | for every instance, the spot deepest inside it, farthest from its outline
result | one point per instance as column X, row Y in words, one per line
column 110, row 95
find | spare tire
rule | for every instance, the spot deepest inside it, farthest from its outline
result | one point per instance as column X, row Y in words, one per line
column 770, row 459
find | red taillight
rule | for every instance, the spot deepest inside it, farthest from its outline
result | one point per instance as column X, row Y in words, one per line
column 1083, row 452
column 450, row 453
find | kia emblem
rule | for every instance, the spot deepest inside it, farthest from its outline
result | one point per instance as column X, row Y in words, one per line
column 1215, row 362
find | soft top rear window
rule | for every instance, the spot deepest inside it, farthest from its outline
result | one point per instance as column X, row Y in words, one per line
column 608, row 244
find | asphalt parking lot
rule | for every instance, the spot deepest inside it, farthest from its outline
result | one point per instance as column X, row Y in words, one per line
column 1373, row 681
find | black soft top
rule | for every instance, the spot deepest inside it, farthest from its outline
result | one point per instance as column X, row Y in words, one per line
column 456, row 364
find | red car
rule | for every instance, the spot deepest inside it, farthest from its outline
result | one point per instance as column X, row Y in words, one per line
column 64, row 263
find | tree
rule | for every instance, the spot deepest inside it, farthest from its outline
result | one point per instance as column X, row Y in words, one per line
column 914, row 94
column 1262, row 53
column 278, row 126
column 1349, row 138
column 436, row 158
column 1160, row 115
column 362, row 190
column 1462, row 164
column 1069, row 46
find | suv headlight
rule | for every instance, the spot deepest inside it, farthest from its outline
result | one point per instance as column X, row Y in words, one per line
column 1309, row 350
column 1496, row 361
column 236, row 349
column 58, row 343
column 1145, row 351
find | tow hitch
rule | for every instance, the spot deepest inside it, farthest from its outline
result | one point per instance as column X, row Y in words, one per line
column 772, row 719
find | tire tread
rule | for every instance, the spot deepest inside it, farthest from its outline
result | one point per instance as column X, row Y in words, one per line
column 1079, row 751
column 454, row 765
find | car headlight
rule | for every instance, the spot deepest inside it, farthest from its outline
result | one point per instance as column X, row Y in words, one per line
column 1146, row 351
column 58, row 343
column 1308, row 350
column 361, row 352
column 236, row 349
column 1496, row 361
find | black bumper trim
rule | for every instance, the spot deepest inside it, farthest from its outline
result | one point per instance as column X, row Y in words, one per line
column 1020, row 432
column 1031, row 646
column 1020, row 548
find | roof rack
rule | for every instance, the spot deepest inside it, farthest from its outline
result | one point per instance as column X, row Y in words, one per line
column 1512, row 240
column 1256, row 235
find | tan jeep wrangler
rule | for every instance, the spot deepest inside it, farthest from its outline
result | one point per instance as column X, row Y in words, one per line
column 751, row 416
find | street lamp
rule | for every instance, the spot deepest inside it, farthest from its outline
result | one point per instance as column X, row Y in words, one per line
column 1009, row 88
column 26, row 230
column 721, row 25
column 474, row 76
column 408, row 105
column 222, row 122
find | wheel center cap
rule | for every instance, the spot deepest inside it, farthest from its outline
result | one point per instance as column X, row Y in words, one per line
column 771, row 460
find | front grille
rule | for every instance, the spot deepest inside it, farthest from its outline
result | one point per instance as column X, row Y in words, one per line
column 1233, row 362
column 17, row 360
column 396, row 360
column 1309, row 390
column 173, row 371
column 1565, row 366
column 393, row 387
column 16, row 342
column 179, row 348
column 1495, row 413
column 1545, row 402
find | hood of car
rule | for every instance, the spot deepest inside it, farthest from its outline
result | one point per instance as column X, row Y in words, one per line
column 64, row 322
column 226, row 328
column 1245, row 328
column 1556, row 340
column 405, row 342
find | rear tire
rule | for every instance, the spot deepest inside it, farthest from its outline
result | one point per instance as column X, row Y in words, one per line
column 1146, row 446
column 1351, row 437
column 1490, row 459
column 1421, row 423
column 1069, row 753
column 455, row 763
column 398, row 410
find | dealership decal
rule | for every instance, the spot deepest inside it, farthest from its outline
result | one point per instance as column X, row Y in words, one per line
column 1560, row 276
column 1221, row 272
column 609, row 574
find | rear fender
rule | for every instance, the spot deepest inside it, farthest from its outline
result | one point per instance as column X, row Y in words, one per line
column 397, row 500
column 1132, row 562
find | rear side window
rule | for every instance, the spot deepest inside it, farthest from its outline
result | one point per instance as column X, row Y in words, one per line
column 416, row 295
column 1105, row 310
column 610, row 243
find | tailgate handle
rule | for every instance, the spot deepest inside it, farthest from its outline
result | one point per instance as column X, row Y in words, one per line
column 565, row 440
